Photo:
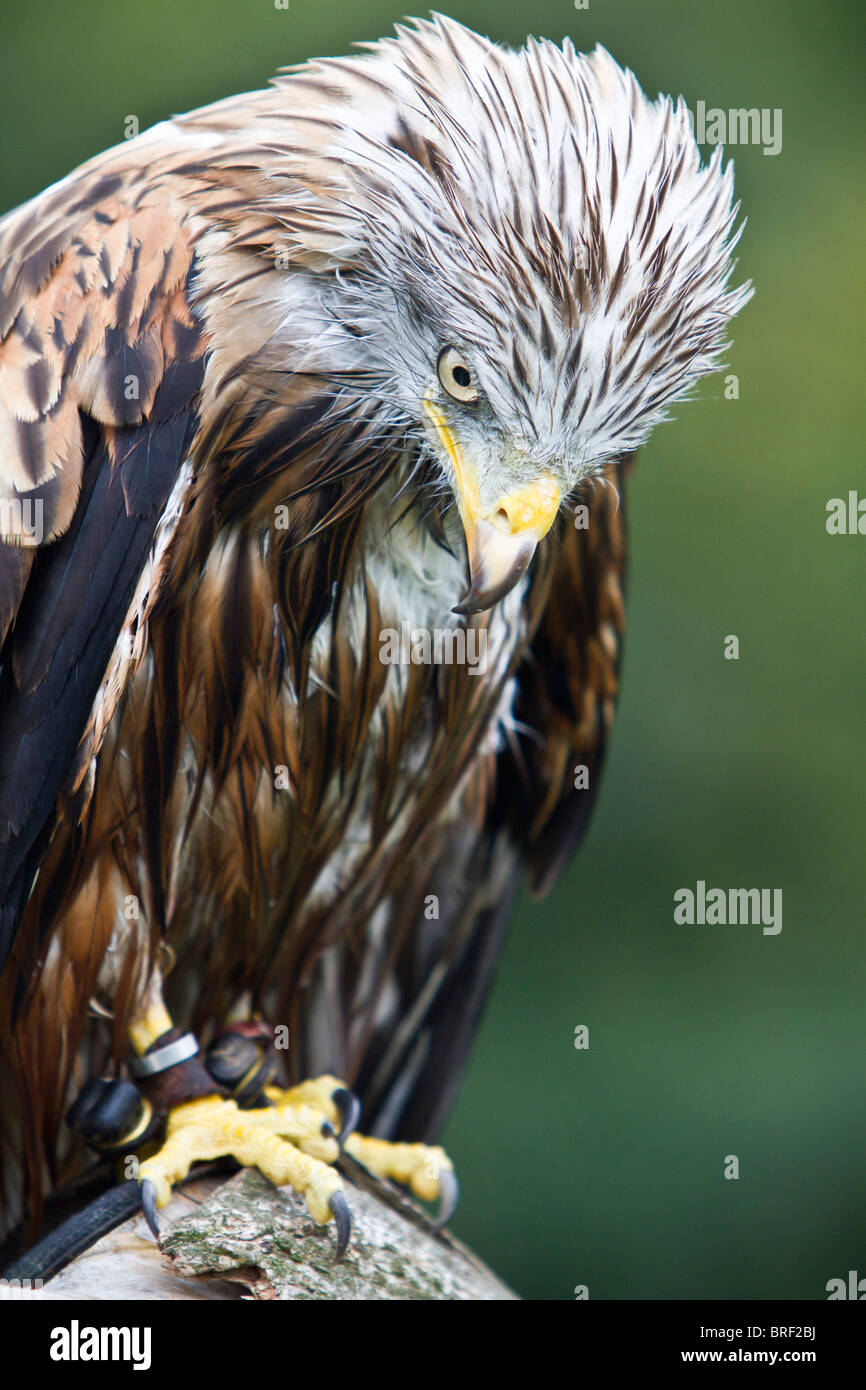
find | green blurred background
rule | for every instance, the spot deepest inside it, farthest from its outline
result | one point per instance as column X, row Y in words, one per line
column 605, row 1167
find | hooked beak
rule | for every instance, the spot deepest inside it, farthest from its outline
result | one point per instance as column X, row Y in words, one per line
column 501, row 539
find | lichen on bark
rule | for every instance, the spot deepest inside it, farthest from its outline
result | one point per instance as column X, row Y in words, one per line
column 264, row 1237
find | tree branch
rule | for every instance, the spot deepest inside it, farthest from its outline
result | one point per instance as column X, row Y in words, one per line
column 244, row 1238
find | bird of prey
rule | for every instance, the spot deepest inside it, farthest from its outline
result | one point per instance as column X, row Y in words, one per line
column 369, row 351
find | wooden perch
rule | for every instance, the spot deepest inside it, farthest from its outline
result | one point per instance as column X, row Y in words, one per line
column 244, row 1238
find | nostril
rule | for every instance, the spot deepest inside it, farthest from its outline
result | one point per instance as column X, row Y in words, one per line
column 502, row 519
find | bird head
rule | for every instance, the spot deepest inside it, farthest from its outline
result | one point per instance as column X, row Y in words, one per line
column 530, row 264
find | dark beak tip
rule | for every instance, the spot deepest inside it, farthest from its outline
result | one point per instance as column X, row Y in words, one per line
column 478, row 599
column 467, row 607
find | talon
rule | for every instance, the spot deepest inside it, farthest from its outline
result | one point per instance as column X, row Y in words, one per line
column 342, row 1220
column 349, row 1110
column 426, row 1171
column 147, row 1190
column 449, row 1196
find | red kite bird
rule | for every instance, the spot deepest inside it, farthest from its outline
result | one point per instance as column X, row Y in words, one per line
column 275, row 376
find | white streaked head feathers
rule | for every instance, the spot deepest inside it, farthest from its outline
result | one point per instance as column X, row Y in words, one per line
column 534, row 209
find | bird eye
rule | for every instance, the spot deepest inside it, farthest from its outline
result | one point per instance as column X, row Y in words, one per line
column 455, row 377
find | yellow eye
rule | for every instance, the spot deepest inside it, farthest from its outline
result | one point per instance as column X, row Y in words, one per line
column 455, row 377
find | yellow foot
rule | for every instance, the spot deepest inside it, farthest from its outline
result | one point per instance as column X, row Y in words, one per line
column 295, row 1140
column 429, row 1172
column 290, row 1142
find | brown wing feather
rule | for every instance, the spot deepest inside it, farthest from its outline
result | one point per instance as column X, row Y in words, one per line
column 101, row 363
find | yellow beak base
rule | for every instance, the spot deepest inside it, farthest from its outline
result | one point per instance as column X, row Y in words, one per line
column 501, row 539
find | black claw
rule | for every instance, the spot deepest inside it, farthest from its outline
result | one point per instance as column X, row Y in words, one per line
column 349, row 1109
column 343, row 1221
column 147, row 1190
column 327, row 1131
column 449, row 1195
